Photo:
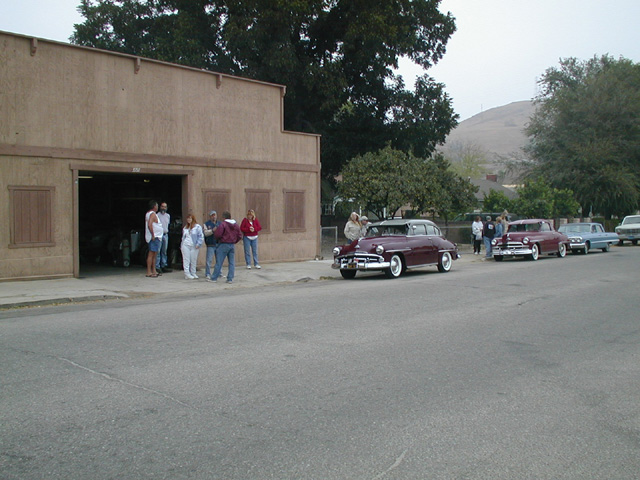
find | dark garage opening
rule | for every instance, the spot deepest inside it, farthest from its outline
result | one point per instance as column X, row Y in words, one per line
column 111, row 214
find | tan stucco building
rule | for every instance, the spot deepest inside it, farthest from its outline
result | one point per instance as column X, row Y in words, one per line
column 88, row 137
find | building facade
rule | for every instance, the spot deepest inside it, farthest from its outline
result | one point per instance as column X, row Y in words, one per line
column 88, row 137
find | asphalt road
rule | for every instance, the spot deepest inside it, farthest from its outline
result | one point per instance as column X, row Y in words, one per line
column 512, row 370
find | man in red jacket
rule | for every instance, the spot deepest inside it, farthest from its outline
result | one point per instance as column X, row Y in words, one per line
column 227, row 234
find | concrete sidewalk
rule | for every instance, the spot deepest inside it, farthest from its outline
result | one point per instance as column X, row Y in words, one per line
column 105, row 282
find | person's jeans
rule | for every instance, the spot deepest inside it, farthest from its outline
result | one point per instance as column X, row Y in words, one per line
column 211, row 252
column 223, row 251
column 249, row 247
column 487, row 246
column 161, row 259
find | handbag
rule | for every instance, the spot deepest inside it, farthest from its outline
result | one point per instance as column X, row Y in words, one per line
column 208, row 231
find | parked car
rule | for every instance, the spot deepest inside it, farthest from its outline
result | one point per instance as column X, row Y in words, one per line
column 629, row 229
column 393, row 246
column 530, row 238
column 585, row 236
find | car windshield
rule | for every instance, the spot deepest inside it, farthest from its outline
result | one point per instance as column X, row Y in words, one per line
column 574, row 228
column 386, row 230
column 630, row 220
column 524, row 227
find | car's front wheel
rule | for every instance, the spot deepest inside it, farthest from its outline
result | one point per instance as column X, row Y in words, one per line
column 562, row 250
column 395, row 269
column 498, row 258
column 634, row 242
column 444, row 265
column 585, row 250
column 535, row 253
column 348, row 274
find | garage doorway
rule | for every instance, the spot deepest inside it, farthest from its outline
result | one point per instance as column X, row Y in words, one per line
column 110, row 210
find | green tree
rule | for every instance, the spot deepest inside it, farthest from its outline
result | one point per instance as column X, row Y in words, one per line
column 496, row 201
column 537, row 199
column 454, row 194
column 585, row 134
column 467, row 159
column 336, row 58
column 382, row 182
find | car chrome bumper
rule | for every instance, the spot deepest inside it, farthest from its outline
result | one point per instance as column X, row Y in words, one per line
column 360, row 263
column 510, row 251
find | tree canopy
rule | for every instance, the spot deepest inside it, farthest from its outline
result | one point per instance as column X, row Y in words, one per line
column 384, row 181
column 336, row 58
column 585, row 134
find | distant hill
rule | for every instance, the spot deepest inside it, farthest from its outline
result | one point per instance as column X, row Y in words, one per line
column 498, row 131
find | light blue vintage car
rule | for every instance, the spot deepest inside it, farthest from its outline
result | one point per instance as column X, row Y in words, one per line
column 585, row 236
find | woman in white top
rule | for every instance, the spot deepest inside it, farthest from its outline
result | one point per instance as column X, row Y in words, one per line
column 476, row 231
column 192, row 239
column 353, row 228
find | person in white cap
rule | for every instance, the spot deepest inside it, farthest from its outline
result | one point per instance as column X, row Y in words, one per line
column 364, row 221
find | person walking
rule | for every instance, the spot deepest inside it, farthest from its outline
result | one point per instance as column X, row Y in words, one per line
column 476, row 233
column 353, row 227
column 228, row 234
column 211, row 242
column 250, row 227
column 192, row 239
column 162, row 264
column 488, row 233
column 153, row 236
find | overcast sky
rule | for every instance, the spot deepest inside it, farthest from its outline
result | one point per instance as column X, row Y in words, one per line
column 499, row 50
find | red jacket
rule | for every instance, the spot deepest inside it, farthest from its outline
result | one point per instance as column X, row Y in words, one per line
column 245, row 225
column 228, row 232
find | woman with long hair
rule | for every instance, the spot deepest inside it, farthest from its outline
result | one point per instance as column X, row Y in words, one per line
column 353, row 228
column 192, row 239
column 250, row 227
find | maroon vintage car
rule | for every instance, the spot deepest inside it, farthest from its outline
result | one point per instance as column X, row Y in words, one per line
column 393, row 246
column 530, row 238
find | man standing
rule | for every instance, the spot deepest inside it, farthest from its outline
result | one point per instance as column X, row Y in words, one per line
column 165, row 220
column 153, row 236
column 227, row 234
column 488, row 232
column 364, row 221
column 210, row 241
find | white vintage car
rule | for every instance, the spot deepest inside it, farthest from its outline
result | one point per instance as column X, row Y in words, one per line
column 629, row 229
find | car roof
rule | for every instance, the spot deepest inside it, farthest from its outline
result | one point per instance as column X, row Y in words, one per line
column 579, row 223
column 403, row 221
column 528, row 220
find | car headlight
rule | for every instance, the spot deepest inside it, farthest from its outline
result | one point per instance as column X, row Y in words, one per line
column 576, row 239
column 379, row 249
column 494, row 241
column 336, row 250
column 525, row 240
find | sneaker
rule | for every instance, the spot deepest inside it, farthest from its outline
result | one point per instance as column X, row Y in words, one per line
column 188, row 277
column 195, row 277
column 258, row 267
column 229, row 281
column 167, row 270
column 159, row 270
column 248, row 267
column 209, row 279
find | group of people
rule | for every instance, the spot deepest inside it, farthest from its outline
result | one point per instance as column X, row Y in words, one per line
column 485, row 232
column 219, row 238
column 356, row 227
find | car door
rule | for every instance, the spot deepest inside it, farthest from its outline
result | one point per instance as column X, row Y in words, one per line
column 419, row 245
column 433, row 242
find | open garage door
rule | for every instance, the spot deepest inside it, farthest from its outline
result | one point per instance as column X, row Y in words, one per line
column 111, row 210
